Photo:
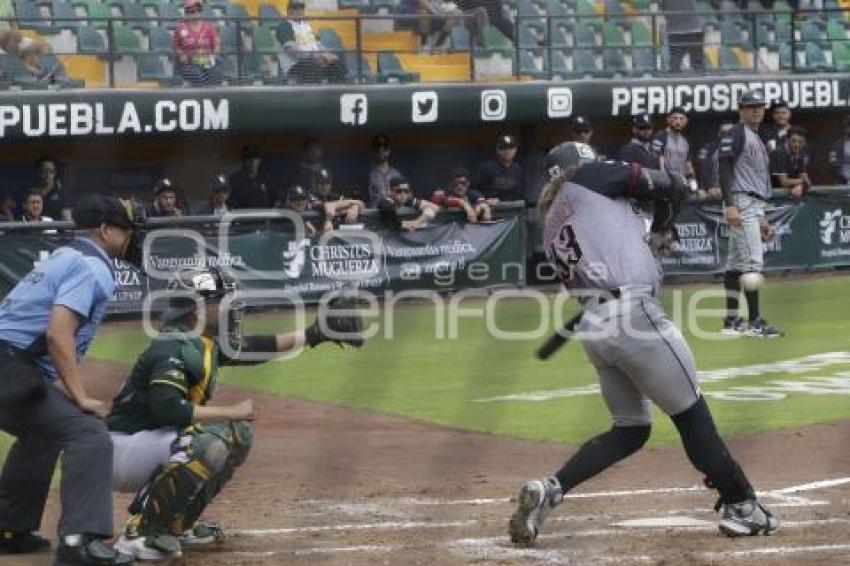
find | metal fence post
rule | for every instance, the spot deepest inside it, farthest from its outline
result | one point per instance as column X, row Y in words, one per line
column 358, row 35
column 517, row 42
column 110, row 51
column 240, row 53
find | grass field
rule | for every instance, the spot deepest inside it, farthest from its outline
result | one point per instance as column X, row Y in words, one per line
column 442, row 381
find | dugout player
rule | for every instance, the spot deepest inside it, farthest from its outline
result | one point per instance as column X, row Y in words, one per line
column 744, row 166
column 596, row 239
column 639, row 148
column 47, row 322
column 172, row 449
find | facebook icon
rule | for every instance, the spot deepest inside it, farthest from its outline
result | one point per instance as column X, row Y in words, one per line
column 353, row 109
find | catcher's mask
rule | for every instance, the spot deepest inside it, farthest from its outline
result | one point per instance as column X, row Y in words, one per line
column 210, row 284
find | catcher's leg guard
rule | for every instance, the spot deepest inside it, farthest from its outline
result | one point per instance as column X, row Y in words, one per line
column 203, row 460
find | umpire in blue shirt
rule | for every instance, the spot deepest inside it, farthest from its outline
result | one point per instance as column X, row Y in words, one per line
column 46, row 325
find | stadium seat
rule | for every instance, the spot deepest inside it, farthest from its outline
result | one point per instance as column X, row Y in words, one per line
column 29, row 16
column 269, row 15
column 559, row 37
column 390, row 6
column 126, row 41
column 786, row 59
column 556, row 9
column 14, row 71
column 529, row 16
column 643, row 60
column 149, row 67
column 169, row 15
column 90, row 42
column 811, row 30
column 560, row 69
column 841, row 55
column 729, row 59
column 353, row 5
column 229, row 39
column 390, row 69
column 641, row 34
column 263, row 40
column 135, row 15
column 160, row 40
column 330, row 39
column 56, row 72
column 816, row 58
column 731, row 32
column 615, row 11
column 584, row 62
column 836, row 30
column 614, row 61
column 62, row 9
column 527, row 37
column 528, row 66
column 237, row 11
column 460, row 40
column 584, row 36
column 496, row 42
column 612, row 35
column 352, row 70
column 97, row 12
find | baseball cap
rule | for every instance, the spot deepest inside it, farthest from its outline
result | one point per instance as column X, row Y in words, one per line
column 751, row 98
column 779, row 103
column 458, row 172
column 296, row 193
column 568, row 155
column 250, row 151
column 163, row 184
column 396, row 182
column 581, row 123
column 94, row 210
column 322, row 175
column 296, row 4
column 219, row 184
column 192, row 3
column 505, row 141
column 677, row 110
column 641, row 121
column 381, row 140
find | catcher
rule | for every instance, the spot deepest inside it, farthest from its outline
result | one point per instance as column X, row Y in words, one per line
column 171, row 448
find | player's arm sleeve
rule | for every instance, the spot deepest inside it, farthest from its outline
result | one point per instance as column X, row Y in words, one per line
column 78, row 288
column 168, row 399
column 731, row 145
column 254, row 344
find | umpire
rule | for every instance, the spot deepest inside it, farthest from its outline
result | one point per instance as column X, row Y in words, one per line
column 744, row 167
column 46, row 325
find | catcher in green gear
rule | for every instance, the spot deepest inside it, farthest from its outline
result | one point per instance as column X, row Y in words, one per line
column 172, row 449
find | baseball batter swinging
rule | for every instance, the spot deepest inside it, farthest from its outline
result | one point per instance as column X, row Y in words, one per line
column 172, row 449
column 597, row 241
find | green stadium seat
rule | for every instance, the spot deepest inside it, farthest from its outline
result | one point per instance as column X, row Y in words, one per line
column 160, row 40
column 614, row 61
column 97, row 12
column 527, row 37
column 643, row 60
column 811, row 30
column 354, row 4
column 460, row 40
column 841, row 55
column 229, row 39
column 586, row 8
column 614, row 11
column 556, row 9
column 389, row 5
column 495, row 41
column 585, row 36
column 642, row 5
column 835, row 30
column 584, row 62
column 14, row 71
column 90, row 42
column 783, row 31
column 528, row 66
column 612, row 34
column 641, row 34
column 560, row 69
column 126, row 41
column 29, row 16
column 816, row 58
column 269, row 15
column 135, row 15
column 263, row 40
column 731, row 32
column 169, row 15
column 390, row 69
column 62, row 9
column 237, row 11
column 149, row 67
column 368, row 77
column 786, row 59
column 330, row 39
column 559, row 37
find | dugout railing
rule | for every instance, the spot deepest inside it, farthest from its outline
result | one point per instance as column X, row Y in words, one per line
column 550, row 42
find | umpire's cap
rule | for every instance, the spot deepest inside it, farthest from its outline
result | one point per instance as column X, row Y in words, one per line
column 751, row 98
column 567, row 156
column 641, row 121
column 94, row 210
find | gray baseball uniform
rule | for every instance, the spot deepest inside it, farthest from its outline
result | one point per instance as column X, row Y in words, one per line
column 745, row 181
column 600, row 244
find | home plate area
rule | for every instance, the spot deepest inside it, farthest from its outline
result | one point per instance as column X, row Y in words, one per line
column 673, row 525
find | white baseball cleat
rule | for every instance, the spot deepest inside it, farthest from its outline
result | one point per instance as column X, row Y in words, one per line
column 747, row 518
column 159, row 547
column 536, row 499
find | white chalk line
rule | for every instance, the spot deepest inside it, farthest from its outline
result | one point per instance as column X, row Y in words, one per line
column 823, row 484
column 781, row 550
column 320, row 550
column 388, row 526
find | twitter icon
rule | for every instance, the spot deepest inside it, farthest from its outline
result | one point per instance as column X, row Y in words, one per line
column 424, row 106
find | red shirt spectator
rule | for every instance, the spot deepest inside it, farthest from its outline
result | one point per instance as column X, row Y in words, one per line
column 195, row 41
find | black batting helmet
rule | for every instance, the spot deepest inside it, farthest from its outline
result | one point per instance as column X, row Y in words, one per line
column 568, row 156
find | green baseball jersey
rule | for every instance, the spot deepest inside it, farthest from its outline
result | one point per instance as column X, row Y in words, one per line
column 171, row 376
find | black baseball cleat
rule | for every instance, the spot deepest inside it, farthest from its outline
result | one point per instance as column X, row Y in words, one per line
column 746, row 519
column 759, row 328
column 733, row 327
column 12, row 542
column 91, row 551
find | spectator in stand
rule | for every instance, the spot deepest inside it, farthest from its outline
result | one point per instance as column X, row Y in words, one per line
column 382, row 171
column 639, row 148
column 789, row 163
column 33, row 208
column 434, row 23
column 13, row 42
column 219, row 191
column 461, row 196
column 500, row 178
column 247, row 187
column 332, row 204
column 298, row 200
column 684, row 34
column 839, row 155
column 708, row 164
column 672, row 146
column 7, row 207
column 308, row 60
column 165, row 200
column 401, row 197
column 196, row 47
column 774, row 134
column 312, row 154
column 53, row 193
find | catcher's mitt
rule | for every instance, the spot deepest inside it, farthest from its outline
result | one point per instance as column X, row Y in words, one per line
column 338, row 321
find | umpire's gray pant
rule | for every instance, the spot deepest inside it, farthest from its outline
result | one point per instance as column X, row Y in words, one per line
column 43, row 428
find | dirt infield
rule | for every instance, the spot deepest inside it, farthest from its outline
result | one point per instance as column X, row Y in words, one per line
column 331, row 485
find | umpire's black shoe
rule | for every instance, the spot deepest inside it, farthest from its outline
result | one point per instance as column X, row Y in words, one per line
column 759, row 328
column 12, row 542
column 90, row 552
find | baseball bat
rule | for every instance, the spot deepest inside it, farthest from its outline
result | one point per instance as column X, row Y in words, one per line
column 559, row 338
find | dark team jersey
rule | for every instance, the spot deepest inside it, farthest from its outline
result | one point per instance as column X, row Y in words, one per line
column 773, row 137
column 497, row 181
column 743, row 163
column 674, row 149
column 172, row 374
column 637, row 152
column 472, row 196
column 783, row 162
column 706, row 165
column 389, row 210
